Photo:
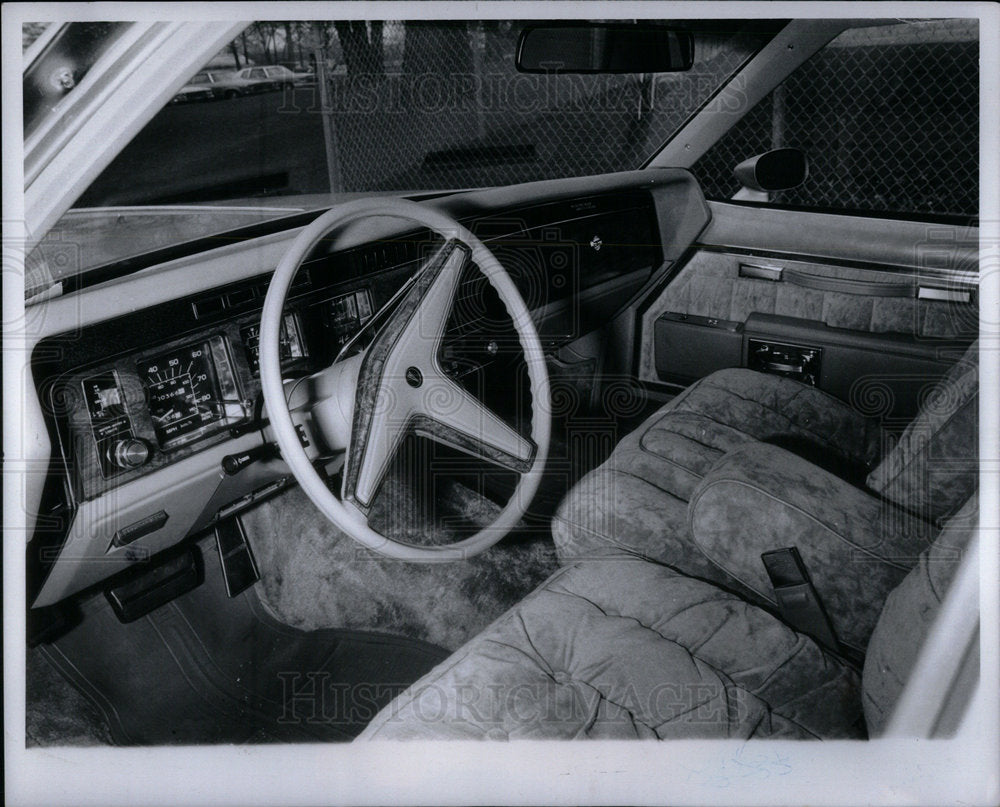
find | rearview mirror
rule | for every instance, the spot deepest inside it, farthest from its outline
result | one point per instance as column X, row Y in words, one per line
column 587, row 47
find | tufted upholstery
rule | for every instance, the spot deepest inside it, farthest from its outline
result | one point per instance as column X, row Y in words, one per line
column 613, row 646
column 761, row 497
column 636, row 503
column 625, row 649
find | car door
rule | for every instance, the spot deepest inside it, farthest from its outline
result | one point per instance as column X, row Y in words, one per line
column 863, row 280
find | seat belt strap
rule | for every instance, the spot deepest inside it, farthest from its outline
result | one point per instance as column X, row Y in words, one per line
column 798, row 602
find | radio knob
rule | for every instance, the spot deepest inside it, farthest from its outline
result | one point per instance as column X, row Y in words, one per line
column 128, row 454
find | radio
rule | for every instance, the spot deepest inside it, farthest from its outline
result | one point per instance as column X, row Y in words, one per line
column 800, row 362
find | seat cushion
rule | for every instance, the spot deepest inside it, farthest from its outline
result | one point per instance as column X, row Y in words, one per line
column 856, row 546
column 636, row 502
column 934, row 467
column 625, row 648
column 907, row 616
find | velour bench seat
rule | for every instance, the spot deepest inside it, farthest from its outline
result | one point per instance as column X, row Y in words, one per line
column 624, row 648
column 636, row 502
column 663, row 624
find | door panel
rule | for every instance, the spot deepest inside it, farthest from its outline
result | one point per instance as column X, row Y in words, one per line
column 854, row 314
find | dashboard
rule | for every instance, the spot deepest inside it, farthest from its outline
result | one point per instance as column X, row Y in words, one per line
column 145, row 409
column 159, row 399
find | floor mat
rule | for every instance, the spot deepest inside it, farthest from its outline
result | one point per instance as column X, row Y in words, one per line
column 315, row 576
column 55, row 712
column 209, row 669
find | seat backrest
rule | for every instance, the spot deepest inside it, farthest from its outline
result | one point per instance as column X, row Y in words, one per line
column 907, row 616
column 934, row 467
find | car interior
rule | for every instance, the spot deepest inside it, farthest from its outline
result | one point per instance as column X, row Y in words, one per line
column 681, row 443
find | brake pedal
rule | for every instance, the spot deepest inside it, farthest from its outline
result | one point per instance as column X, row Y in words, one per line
column 239, row 568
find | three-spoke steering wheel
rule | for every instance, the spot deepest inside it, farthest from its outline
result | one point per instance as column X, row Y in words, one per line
column 366, row 404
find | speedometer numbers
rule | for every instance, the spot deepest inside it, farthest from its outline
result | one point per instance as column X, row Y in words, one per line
column 191, row 391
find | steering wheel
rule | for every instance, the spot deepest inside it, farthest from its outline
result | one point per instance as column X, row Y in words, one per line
column 366, row 404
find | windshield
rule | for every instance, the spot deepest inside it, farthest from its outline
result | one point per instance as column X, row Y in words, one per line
column 378, row 107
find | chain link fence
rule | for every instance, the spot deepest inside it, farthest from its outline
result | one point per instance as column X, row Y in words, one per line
column 888, row 116
column 448, row 109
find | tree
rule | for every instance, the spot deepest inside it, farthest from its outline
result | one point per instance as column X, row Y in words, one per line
column 375, row 50
column 437, row 47
column 501, row 37
column 289, row 55
column 265, row 34
column 362, row 46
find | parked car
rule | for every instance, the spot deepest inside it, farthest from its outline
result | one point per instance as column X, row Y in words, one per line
column 274, row 77
column 196, row 90
column 224, row 83
column 636, row 398
column 209, row 84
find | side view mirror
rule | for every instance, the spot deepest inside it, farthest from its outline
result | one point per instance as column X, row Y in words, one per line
column 775, row 170
column 588, row 47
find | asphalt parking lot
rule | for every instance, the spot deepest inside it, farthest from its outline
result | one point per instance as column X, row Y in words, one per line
column 249, row 146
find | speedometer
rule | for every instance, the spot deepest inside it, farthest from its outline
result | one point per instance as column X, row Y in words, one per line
column 191, row 390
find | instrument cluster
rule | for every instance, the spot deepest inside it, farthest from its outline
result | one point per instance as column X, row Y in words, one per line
column 143, row 409
column 191, row 391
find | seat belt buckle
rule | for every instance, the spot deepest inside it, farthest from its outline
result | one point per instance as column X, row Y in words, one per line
column 798, row 602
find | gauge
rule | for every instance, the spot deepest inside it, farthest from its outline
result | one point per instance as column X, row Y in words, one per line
column 292, row 345
column 191, row 390
column 346, row 314
column 109, row 420
column 105, row 401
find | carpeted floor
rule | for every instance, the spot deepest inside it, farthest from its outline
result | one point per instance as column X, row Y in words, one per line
column 314, row 576
column 55, row 712
column 206, row 668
